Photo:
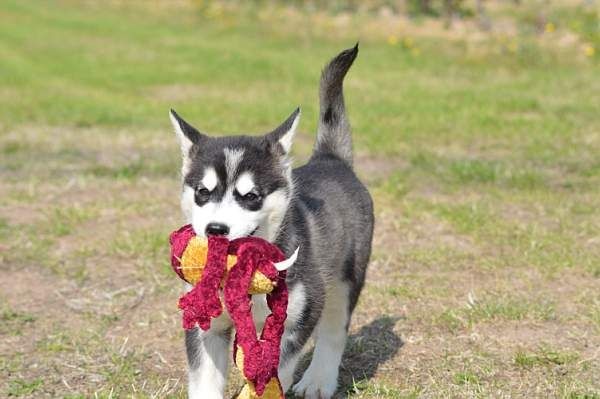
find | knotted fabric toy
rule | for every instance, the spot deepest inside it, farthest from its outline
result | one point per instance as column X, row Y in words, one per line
column 241, row 267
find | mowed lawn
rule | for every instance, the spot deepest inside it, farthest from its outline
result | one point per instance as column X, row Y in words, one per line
column 482, row 151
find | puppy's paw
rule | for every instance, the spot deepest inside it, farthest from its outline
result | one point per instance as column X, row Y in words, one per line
column 316, row 384
column 204, row 394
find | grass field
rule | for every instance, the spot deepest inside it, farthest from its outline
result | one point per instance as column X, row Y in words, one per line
column 481, row 149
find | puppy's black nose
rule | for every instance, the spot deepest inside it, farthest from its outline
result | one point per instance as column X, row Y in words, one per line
column 217, row 229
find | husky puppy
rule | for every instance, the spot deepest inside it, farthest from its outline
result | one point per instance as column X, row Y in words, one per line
column 244, row 185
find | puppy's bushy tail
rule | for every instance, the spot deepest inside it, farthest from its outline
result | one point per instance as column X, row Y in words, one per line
column 333, row 134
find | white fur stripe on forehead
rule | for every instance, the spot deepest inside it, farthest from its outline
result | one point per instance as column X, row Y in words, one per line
column 210, row 179
column 244, row 183
column 233, row 157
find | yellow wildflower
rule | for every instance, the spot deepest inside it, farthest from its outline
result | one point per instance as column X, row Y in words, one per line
column 589, row 50
column 549, row 28
column 392, row 40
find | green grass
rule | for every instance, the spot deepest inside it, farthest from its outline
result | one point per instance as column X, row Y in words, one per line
column 466, row 377
column 480, row 149
column 544, row 357
column 492, row 310
column 14, row 321
column 56, row 343
column 577, row 395
column 73, row 80
column 62, row 220
column 22, row 388
column 367, row 389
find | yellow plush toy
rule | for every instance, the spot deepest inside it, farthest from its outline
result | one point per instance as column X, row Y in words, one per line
column 241, row 268
column 194, row 258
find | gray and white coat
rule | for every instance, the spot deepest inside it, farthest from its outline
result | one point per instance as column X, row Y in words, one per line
column 244, row 185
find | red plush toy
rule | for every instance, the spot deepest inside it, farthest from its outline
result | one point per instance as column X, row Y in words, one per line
column 241, row 267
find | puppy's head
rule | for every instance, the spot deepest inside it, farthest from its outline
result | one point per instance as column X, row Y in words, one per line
column 238, row 185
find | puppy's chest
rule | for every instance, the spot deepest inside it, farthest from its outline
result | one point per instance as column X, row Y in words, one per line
column 296, row 303
column 260, row 310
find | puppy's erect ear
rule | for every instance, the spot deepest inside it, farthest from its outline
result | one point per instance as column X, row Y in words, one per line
column 186, row 133
column 284, row 134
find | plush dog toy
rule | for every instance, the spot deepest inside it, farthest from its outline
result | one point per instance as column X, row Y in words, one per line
column 241, row 267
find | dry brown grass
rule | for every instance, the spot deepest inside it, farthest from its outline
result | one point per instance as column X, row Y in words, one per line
column 89, row 302
column 482, row 160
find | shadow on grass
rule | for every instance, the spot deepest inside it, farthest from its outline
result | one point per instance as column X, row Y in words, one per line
column 373, row 345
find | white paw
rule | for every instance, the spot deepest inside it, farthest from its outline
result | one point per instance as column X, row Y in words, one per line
column 204, row 394
column 317, row 384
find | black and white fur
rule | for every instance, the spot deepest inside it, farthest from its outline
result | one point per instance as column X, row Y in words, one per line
column 244, row 185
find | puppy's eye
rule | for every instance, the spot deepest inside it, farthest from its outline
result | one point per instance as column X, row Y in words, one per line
column 202, row 195
column 248, row 197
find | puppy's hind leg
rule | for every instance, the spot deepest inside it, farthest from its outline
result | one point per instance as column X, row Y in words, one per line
column 208, row 361
column 321, row 378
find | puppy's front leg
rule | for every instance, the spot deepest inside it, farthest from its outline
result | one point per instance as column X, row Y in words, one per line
column 208, row 361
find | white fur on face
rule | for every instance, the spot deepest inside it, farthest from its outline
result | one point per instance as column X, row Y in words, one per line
column 244, row 183
column 242, row 222
column 187, row 203
column 273, row 210
column 210, row 179
column 233, row 157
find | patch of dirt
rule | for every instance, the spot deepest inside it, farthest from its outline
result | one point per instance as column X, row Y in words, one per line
column 399, row 233
column 18, row 214
column 372, row 169
column 78, row 333
column 31, row 291
column 509, row 337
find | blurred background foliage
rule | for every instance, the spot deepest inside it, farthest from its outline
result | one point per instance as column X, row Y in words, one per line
column 579, row 15
column 580, row 18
